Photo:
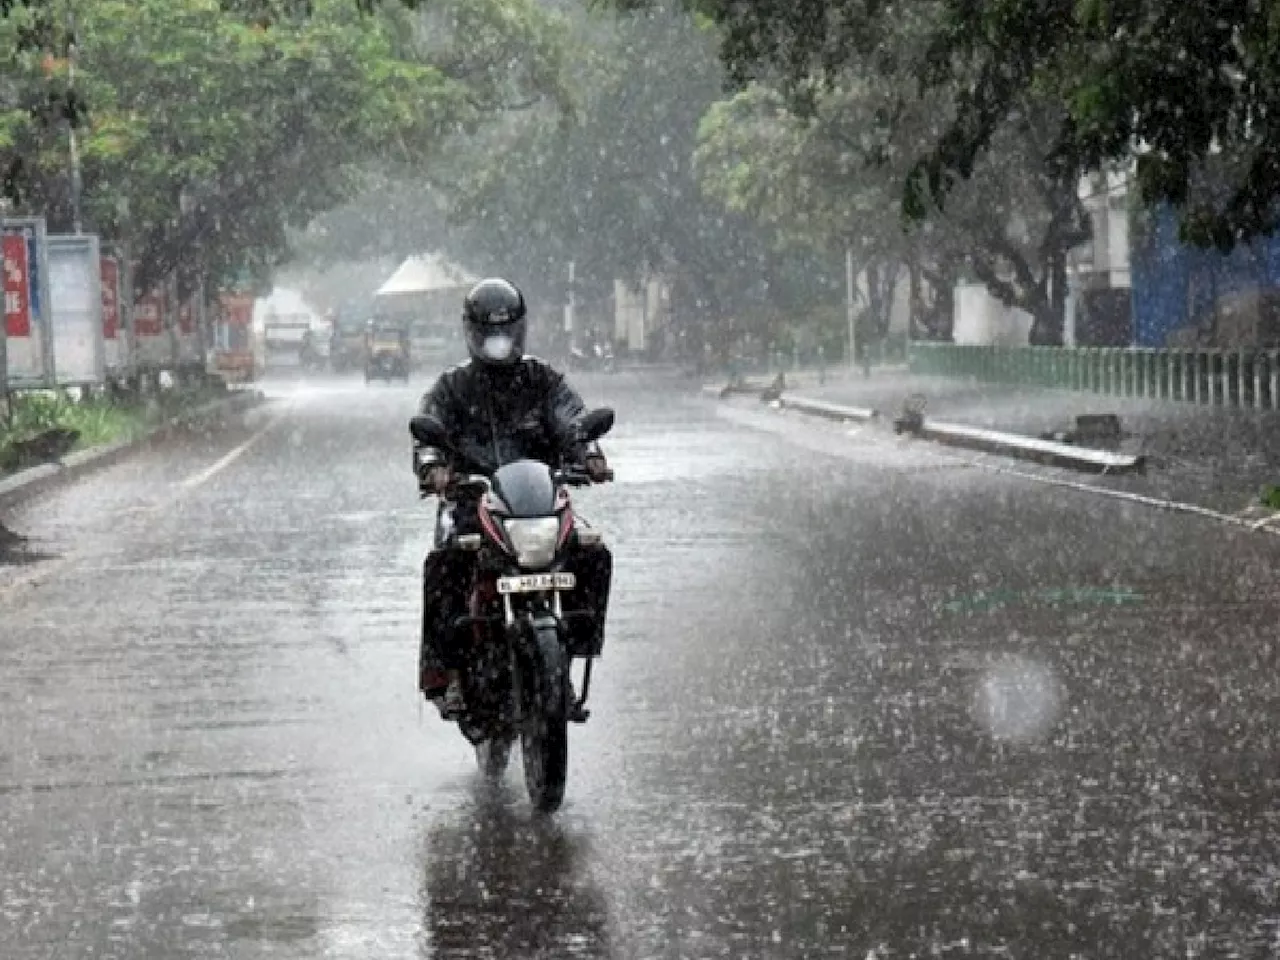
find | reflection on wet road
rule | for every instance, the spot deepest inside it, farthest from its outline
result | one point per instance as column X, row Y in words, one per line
column 855, row 702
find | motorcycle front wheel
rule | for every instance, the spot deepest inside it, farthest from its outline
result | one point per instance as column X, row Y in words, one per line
column 544, row 741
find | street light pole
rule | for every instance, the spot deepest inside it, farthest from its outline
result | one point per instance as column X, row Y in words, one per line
column 849, row 306
column 570, row 320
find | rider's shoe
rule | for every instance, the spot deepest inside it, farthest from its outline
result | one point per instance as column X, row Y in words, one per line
column 577, row 712
column 453, row 705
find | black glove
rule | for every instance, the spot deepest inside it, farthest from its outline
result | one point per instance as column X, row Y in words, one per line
column 434, row 478
column 597, row 467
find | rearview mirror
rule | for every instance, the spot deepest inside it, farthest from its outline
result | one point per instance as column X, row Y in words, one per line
column 596, row 424
column 429, row 431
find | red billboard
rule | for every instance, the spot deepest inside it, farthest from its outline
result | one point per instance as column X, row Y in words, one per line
column 17, row 287
column 110, row 271
column 235, row 313
column 237, row 309
column 148, row 315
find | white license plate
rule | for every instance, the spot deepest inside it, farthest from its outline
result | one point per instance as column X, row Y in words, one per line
column 536, row 583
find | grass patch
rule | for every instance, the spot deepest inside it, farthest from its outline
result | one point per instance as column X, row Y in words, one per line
column 95, row 421
column 98, row 421
column 1271, row 496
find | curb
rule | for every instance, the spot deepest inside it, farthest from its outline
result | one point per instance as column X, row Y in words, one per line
column 750, row 387
column 47, row 476
column 1030, row 448
column 986, row 441
column 831, row 411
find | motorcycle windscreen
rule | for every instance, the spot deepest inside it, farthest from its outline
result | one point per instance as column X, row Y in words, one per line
column 525, row 487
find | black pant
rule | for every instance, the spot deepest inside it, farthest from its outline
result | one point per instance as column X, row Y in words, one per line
column 448, row 576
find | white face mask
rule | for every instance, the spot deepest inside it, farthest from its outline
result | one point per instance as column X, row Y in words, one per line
column 498, row 347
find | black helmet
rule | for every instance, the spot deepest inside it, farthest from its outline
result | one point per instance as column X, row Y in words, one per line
column 494, row 318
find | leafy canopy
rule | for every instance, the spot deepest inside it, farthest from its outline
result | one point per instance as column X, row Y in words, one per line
column 207, row 128
column 1192, row 88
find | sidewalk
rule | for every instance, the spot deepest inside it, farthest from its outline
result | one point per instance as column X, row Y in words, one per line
column 1213, row 457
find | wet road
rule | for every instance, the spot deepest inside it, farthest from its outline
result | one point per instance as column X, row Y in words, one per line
column 857, row 701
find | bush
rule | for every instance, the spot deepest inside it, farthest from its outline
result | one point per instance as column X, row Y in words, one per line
column 94, row 422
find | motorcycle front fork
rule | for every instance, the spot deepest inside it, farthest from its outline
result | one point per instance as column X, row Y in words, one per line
column 578, row 712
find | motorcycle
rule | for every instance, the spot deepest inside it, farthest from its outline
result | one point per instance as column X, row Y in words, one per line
column 519, row 683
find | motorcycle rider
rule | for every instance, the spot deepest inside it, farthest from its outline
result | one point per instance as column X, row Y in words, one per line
column 502, row 405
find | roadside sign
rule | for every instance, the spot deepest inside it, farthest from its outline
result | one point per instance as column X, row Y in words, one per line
column 75, row 309
column 110, row 270
column 148, row 315
column 115, row 351
column 151, row 342
column 233, row 354
column 17, row 295
column 28, row 354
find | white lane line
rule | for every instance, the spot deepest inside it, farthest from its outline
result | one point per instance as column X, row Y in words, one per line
column 44, row 569
column 211, row 471
column 1159, row 503
column 1266, row 522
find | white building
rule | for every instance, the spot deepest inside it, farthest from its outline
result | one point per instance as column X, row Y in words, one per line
column 639, row 312
column 1098, row 266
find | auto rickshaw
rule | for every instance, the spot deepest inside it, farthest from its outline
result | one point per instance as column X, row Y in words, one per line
column 386, row 355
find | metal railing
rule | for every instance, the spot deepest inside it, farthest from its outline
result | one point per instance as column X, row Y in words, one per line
column 1244, row 378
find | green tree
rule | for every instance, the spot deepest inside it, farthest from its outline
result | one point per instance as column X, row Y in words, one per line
column 1192, row 89
column 604, row 179
column 834, row 174
column 211, row 128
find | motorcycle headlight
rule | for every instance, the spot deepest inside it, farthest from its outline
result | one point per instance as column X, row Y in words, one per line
column 534, row 540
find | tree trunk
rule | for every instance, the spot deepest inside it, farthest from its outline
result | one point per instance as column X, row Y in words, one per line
column 939, row 316
column 1050, row 311
column 915, row 321
column 944, row 311
column 868, row 322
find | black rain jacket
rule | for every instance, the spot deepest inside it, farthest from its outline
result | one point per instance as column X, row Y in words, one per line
column 497, row 415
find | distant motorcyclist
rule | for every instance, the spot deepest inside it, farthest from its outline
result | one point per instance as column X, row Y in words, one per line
column 500, row 406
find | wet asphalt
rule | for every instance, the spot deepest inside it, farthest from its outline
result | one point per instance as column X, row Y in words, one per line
column 858, row 701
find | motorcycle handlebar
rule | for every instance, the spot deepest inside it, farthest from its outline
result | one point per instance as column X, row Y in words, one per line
column 580, row 478
column 473, row 484
column 476, row 485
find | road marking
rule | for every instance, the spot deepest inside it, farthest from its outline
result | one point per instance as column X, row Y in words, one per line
column 1266, row 522
column 208, row 473
column 42, row 570
column 1159, row 503
column 767, row 425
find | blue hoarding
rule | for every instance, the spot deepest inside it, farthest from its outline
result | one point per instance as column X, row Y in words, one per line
column 1176, row 284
